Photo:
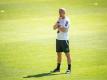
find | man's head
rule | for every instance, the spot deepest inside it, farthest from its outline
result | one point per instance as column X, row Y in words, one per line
column 62, row 12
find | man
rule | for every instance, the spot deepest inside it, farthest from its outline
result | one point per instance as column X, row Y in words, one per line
column 62, row 43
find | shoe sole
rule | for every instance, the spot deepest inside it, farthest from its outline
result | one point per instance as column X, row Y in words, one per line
column 54, row 72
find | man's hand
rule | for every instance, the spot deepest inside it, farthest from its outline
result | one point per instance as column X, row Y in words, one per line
column 55, row 26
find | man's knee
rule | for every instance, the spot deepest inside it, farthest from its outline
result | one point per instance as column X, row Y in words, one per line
column 59, row 54
column 67, row 55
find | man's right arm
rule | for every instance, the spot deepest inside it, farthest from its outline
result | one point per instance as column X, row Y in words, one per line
column 55, row 26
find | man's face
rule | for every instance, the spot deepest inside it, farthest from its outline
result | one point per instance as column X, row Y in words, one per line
column 61, row 13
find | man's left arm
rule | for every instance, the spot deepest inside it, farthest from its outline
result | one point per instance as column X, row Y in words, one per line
column 62, row 28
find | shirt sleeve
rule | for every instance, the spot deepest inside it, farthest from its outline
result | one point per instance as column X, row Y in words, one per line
column 66, row 24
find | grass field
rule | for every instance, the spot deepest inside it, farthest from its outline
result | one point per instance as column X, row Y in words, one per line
column 27, row 40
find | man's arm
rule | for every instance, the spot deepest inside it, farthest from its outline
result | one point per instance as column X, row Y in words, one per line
column 55, row 26
column 62, row 29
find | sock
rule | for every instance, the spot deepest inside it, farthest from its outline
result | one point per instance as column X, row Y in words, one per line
column 69, row 66
column 58, row 66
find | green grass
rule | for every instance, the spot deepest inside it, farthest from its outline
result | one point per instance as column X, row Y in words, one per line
column 27, row 41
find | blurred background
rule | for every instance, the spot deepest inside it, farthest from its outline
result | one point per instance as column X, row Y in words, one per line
column 27, row 40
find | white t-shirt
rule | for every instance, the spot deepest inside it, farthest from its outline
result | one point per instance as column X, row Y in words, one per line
column 64, row 23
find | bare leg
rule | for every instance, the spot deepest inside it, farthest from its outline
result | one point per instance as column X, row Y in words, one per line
column 69, row 62
column 59, row 57
column 68, row 56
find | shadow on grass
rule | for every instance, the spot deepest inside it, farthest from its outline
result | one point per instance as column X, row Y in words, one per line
column 42, row 75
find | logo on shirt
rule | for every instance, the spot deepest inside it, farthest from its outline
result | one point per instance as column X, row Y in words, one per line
column 66, row 24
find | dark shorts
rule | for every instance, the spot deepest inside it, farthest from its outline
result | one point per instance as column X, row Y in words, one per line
column 62, row 46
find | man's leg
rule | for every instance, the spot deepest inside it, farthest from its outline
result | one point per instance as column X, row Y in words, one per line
column 68, row 56
column 59, row 58
column 59, row 55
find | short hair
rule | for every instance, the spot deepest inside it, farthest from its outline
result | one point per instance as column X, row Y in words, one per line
column 62, row 9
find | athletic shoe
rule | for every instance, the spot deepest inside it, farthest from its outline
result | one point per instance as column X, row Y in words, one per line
column 68, row 71
column 56, row 70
